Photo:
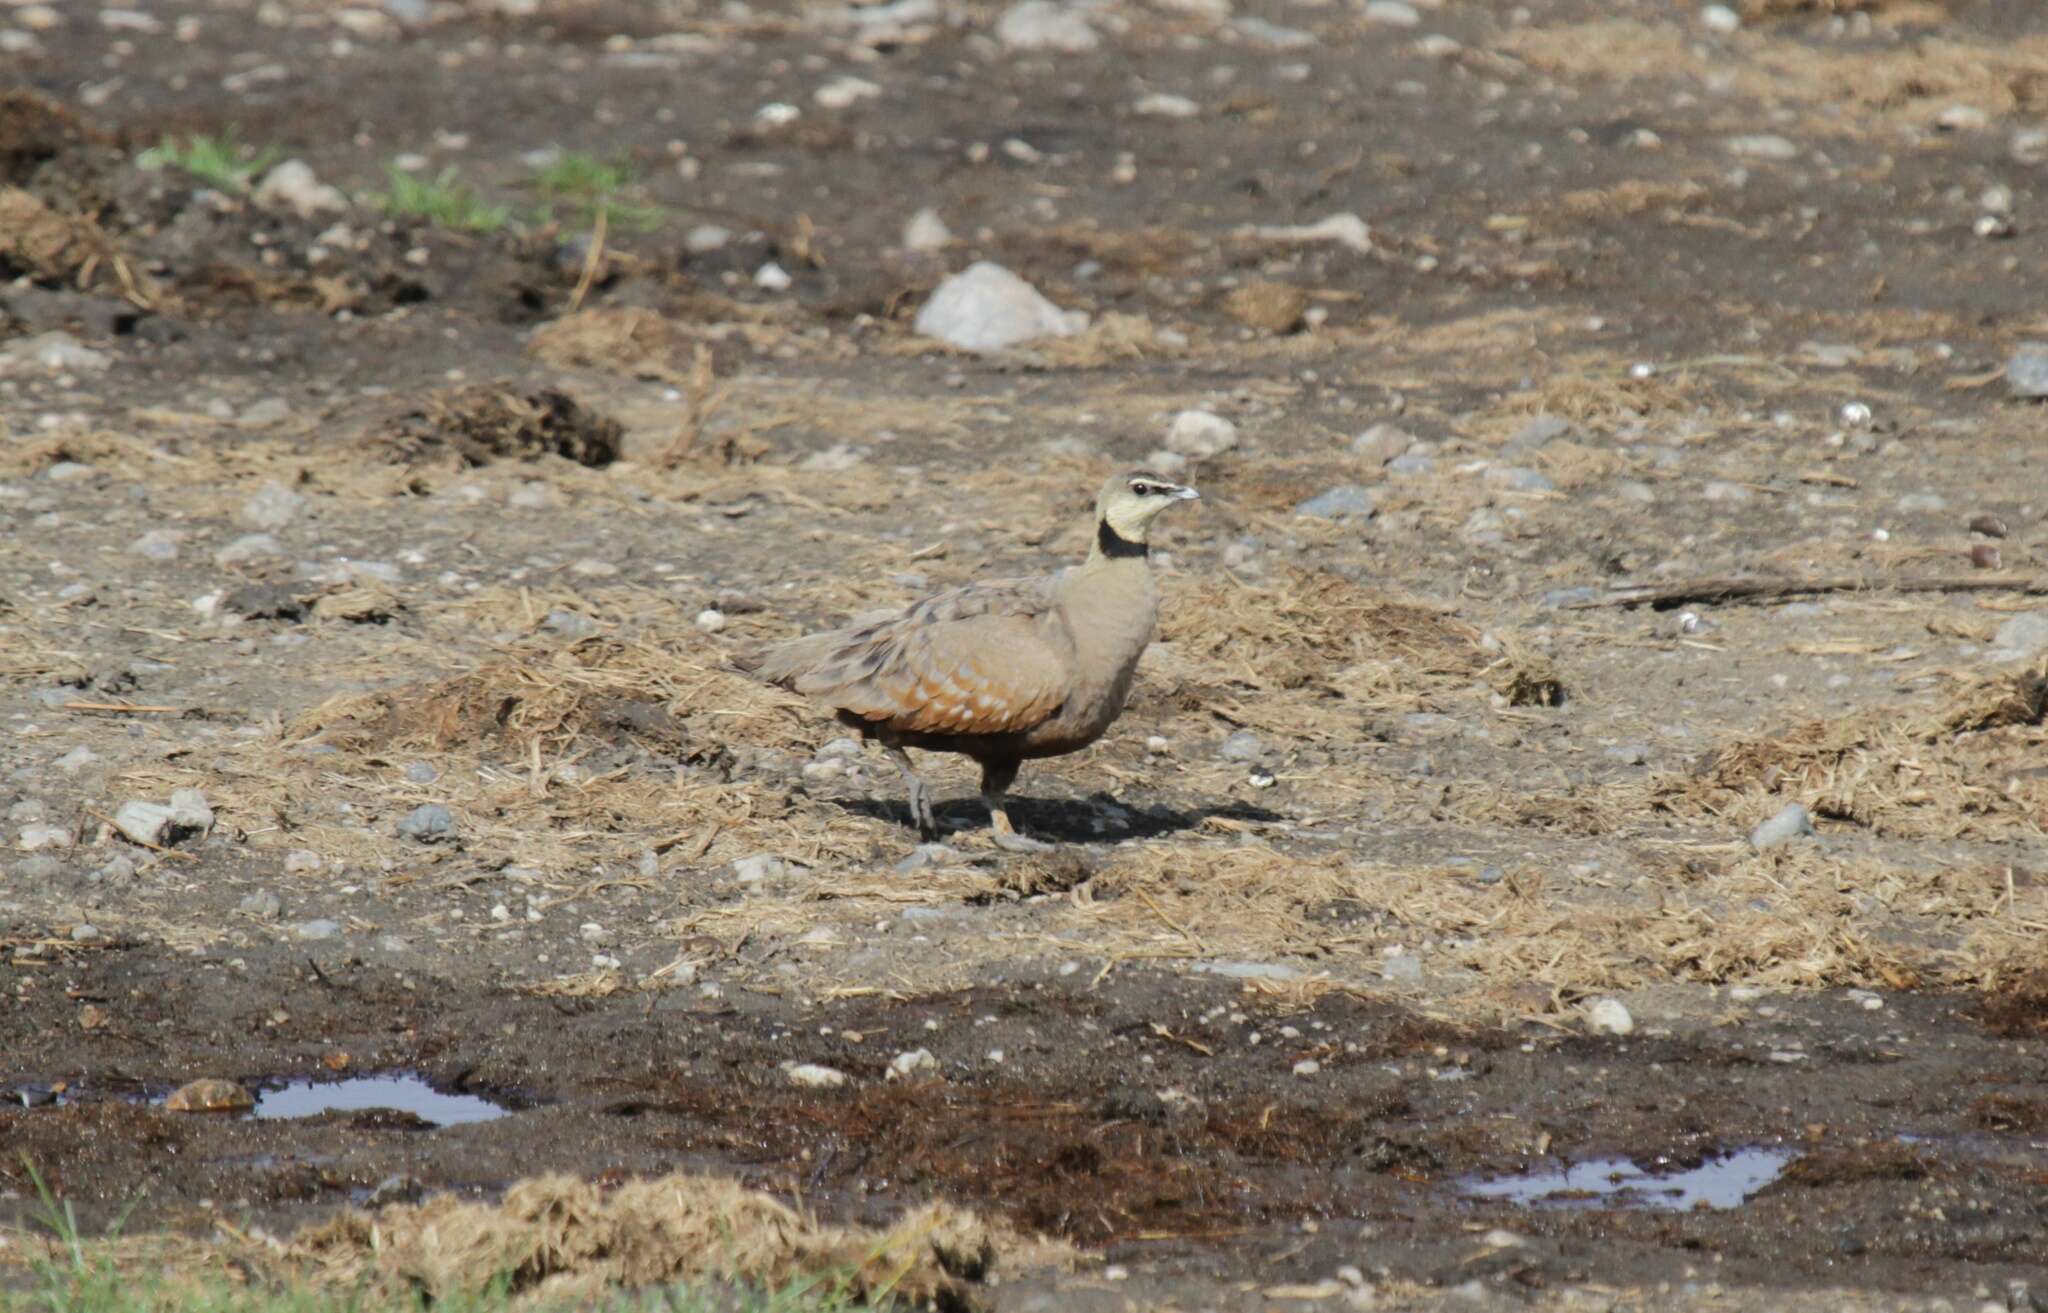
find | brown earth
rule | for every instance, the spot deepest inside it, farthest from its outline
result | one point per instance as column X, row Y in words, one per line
column 1246, row 1036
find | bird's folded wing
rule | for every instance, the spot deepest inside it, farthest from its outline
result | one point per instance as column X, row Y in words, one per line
column 986, row 673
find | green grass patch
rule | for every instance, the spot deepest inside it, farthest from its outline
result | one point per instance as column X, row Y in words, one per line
column 441, row 200
column 584, row 185
column 223, row 160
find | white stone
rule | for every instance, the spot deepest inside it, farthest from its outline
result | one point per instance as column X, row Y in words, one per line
column 811, row 1076
column 143, row 822
column 34, row 838
column 1045, row 25
column 988, row 308
column 293, row 186
column 53, row 352
column 843, row 93
column 1165, row 105
column 926, row 232
column 757, row 867
column 1762, row 146
column 189, row 810
column 1397, row 13
column 772, row 277
column 2021, row 637
column 1200, row 433
column 1607, row 1016
column 1791, row 822
column 912, row 1060
column 1720, row 18
column 710, row 620
column 273, row 507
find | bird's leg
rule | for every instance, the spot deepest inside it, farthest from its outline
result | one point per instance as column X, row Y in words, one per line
column 996, row 778
column 920, row 793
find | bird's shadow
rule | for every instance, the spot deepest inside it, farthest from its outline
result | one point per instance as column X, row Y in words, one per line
column 1059, row 820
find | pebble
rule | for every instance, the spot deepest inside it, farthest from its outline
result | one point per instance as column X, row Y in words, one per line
column 1200, row 433
column 158, row 544
column 1166, row 105
column 420, row 772
column 710, row 620
column 925, row 854
column 812, row 1076
column 1045, row 25
column 428, row 823
column 1720, row 18
column 54, row 352
column 293, row 186
column 1398, row 13
column 1538, row 432
column 248, row 547
column 1412, row 462
column 1558, row 598
column 757, row 867
column 1991, row 526
column 398, row 1189
column 209, row 1095
column 913, row 1060
column 845, row 92
column 1382, row 443
column 1607, row 1016
column 76, row 759
column 1247, row 970
column 1790, row 823
column 85, row 932
column 322, row 928
column 2026, row 370
column 1273, row 35
column 300, row 861
column 772, row 277
column 2022, row 636
column 988, row 308
column 263, row 905
column 35, row 838
column 189, row 810
column 143, row 822
column 1243, row 745
column 1346, row 501
column 1762, row 146
column 273, row 507
column 1307, row 1067
column 926, row 232
column 1270, row 306
column 706, row 238
column 1516, row 478
column 41, row 866
column 1402, row 968
column 1723, row 491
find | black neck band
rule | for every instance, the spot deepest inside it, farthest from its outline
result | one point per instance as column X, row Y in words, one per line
column 1114, row 545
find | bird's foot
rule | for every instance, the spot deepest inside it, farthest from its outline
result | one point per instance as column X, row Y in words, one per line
column 922, row 814
column 1012, row 842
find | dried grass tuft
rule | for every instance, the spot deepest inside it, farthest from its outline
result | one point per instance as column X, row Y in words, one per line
column 557, row 1237
column 478, row 424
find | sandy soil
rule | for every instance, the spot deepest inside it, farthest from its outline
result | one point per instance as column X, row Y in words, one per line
column 335, row 517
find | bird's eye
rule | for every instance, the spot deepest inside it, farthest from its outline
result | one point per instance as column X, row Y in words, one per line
column 1142, row 489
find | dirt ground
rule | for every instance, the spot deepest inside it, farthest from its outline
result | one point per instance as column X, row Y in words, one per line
column 1422, row 856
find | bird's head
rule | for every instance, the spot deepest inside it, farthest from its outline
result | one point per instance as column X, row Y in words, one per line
column 1129, row 503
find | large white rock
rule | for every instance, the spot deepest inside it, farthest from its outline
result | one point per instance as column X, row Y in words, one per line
column 1200, row 433
column 988, row 308
column 1046, row 25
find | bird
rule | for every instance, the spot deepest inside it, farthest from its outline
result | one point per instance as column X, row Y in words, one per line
column 1000, row 670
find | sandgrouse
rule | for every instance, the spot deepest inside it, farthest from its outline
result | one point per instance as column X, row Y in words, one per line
column 1002, row 670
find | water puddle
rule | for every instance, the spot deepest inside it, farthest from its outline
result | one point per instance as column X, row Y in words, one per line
column 397, row 1092
column 1725, row 1181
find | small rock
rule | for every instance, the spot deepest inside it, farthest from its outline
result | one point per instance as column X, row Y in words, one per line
column 273, row 507
column 420, row 772
column 1346, row 501
column 756, row 867
column 2026, row 370
column 321, row 928
column 36, row 838
column 1412, row 462
column 1165, row 105
column 914, row 1060
column 2020, row 637
column 189, row 811
column 1307, row 1067
column 1762, row 146
column 1243, row 745
column 427, row 823
column 1720, row 18
column 1539, row 432
column 811, row 1076
column 988, row 308
column 1045, row 25
column 1395, row 13
column 158, row 544
column 706, row 238
column 41, row 866
column 1382, row 443
column 924, row 855
column 1402, row 968
column 293, row 186
column 1922, row 503
column 77, row 759
column 1790, row 823
column 845, row 92
column 926, row 232
column 300, row 861
column 1264, row 304
column 249, row 547
column 146, row 823
column 399, row 1189
column 1987, row 556
column 1988, row 525
column 1200, row 434
column 1247, row 970
column 263, row 905
column 571, row 625
column 772, row 277
column 85, row 932
column 710, row 620
column 55, row 353
column 1721, row 490
column 1515, row 478
column 209, row 1095
column 1607, row 1016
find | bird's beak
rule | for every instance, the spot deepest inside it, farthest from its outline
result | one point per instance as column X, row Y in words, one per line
column 1186, row 494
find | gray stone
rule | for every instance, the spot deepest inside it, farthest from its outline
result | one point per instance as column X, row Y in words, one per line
column 420, row 772
column 925, row 854
column 1273, row 35
column 1382, row 443
column 158, row 544
column 34, row 838
column 248, row 547
column 1762, row 146
column 1346, row 501
column 399, row 1189
column 1247, row 970
column 263, row 905
column 189, row 810
column 1412, row 462
column 55, row 353
column 1538, row 432
column 77, row 759
column 926, row 232
column 1563, row 597
column 2022, row 636
column 910, row 1061
column 146, row 823
column 756, row 867
column 1395, row 13
column 294, row 188
column 2026, row 371
column 1242, row 746
column 1200, row 433
column 1792, row 822
column 273, row 507
column 1045, row 25
column 1402, row 968
column 85, row 932
column 569, row 624
column 270, row 410
column 42, row 866
column 1922, row 503
column 429, row 822
column 1517, row 479
column 988, row 308
column 321, row 928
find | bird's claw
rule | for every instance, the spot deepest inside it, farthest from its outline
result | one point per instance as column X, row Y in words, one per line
column 922, row 814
